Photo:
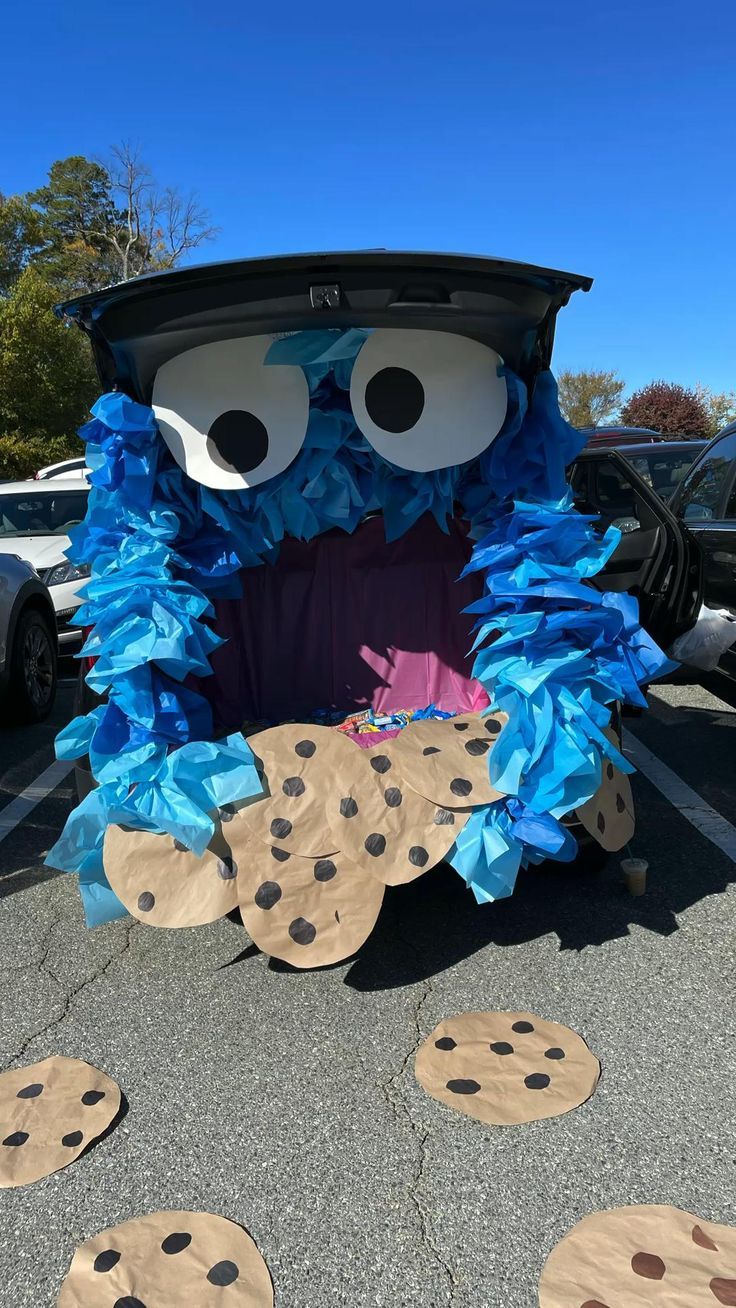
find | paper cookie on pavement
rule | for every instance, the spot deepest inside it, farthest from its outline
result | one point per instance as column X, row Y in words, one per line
column 507, row 1068
column 309, row 912
column 163, row 884
column 168, row 1259
column 49, row 1113
column 301, row 766
column 446, row 761
column 645, row 1256
column 383, row 824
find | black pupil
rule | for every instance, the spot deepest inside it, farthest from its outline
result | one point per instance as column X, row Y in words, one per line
column 237, row 441
column 394, row 399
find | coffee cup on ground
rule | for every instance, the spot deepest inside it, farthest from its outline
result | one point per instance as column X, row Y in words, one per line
column 635, row 874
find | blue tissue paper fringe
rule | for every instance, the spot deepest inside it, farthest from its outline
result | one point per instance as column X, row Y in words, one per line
column 552, row 652
column 148, row 744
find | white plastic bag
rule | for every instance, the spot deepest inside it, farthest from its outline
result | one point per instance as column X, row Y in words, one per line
column 702, row 646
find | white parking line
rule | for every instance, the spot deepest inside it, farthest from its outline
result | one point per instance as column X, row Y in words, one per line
column 687, row 801
column 19, row 808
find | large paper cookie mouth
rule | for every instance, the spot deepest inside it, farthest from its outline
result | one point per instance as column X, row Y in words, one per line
column 308, row 859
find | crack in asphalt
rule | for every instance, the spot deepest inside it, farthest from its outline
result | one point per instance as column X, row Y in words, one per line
column 37, row 964
column 41, row 965
column 399, row 1106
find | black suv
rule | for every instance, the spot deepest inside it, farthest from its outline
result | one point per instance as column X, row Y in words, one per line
column 692, row 537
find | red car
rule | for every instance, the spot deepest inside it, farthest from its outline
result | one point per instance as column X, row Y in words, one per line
column 621, row 436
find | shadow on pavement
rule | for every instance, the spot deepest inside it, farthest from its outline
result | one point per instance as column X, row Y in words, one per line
column 117, row 1119
column 22, row 853
column 434, row 923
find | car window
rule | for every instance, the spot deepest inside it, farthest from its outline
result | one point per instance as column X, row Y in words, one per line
column 578, row 478
column 663, row 471
column 32, row 514
column 705, row 483
column 613, row 494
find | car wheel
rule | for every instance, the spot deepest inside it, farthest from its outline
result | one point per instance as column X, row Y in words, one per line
column 32, row 688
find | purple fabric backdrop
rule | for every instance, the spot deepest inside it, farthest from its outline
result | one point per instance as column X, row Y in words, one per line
column 344, row 622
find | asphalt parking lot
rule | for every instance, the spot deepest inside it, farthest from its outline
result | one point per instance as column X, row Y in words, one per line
column 288, row 1102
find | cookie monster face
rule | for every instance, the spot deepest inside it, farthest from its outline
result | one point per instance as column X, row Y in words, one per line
column 336, row 443
column 309, row 494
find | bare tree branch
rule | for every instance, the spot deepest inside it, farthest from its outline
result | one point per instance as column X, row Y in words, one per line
column 150, row 229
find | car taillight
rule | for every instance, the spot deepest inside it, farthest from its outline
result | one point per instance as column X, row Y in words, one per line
column 87, row 661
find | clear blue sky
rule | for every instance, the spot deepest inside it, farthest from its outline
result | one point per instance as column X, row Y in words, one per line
column 595, row 135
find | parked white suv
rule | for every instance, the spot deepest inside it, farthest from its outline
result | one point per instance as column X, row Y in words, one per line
column 35, row 519
column 73, row 468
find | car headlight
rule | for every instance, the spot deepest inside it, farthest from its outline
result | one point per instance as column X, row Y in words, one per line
column 66, row 572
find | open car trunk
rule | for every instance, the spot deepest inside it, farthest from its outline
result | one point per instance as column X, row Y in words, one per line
column 138, row 326
column 292, row 459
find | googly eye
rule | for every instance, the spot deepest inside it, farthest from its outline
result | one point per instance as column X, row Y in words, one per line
column 427, row 399
column 230, row 421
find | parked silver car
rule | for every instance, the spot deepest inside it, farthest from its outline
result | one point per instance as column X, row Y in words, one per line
column 28, row 643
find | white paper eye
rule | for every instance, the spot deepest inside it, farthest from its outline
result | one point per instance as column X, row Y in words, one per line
column 427, row 399
column 230, row 421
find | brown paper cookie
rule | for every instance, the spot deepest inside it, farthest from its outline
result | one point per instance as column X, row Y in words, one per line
column 165, row 1260
column 609, row 815
column 301, row 765
column 309, row 912
column 164, row 884
column 641, row 1257
column 507, row 1068
column 383, row 824
column 447, row 761
column 49, row 1113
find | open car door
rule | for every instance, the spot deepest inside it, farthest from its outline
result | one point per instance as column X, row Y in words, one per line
column 657, row 559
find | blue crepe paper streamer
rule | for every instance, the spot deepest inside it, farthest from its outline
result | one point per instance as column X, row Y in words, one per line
column 161, row 547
